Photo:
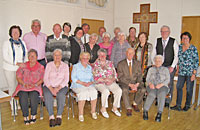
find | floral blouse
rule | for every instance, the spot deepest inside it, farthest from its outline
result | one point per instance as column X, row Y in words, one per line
column 107, row 71
column 188, row 60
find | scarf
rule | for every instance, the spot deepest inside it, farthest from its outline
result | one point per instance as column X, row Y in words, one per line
column 12, row 41
column 144, row 56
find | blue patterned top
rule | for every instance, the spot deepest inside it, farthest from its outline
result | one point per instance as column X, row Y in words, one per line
column 188, row 60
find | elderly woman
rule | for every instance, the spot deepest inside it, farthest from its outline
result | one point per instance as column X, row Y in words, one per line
column 14, row 55
column 30, row 78
column 92, row 48
column 116, row 31
column 132, row 39
column 56, row 80
column 119, row 49
column 106, row 44
column 158, row 78
column 105, row 77
column 187, row 70
column 143, row 51
column 76, row 45
column 66, row 29
column 83, row 85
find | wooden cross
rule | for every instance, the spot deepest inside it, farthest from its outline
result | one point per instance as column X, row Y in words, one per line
column 145, row 17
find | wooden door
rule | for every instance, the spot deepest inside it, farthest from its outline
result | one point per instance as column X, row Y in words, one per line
column 94, row 25
column 191, row 24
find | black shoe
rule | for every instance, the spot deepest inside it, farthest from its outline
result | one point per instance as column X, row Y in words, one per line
column 158, row 117
column 145, row 115
column 177, row 108
column 167, row 105
column 186, row 108
column 156, row 103
column 52, row 122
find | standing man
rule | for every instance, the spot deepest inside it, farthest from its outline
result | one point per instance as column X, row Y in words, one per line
column 36, row 40
column 101, row 31
column 130, row 79
column 116, row 31
column 168, row 48
column 85, row 37
column 58, row 41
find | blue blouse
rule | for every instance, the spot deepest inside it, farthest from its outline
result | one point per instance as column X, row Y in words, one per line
column 82, row 74
column 188, row 60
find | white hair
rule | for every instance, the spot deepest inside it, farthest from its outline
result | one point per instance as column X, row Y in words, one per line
column 121, row 33
column 36, row 20
column 59, row 50
column 165, row 26
column 159, row 57
column 106, row 34
column 94, row 35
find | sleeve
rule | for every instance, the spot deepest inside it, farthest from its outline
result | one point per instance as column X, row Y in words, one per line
column 150, row 48
column 42, row 72
column 121, row 75
column 74, row 74
column 26, row 55
column 46, row 75
column 66, row 77
column 113, row 53
column 139, row 73
column 153, row 54
column 19, row 73
column 176, row 47
column 6, row 56
column 96, row 73
column 148, row 78
column 167, row 77
column 196, row 59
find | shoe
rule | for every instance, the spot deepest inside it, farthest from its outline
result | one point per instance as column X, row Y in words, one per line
column 167, row 105
column 158, row 117
column 58, row 121
column 186, row 108
column 145, row 115
column 52, row 122
column 129, row 112
column 105, row 114
column 177, row 108
column 81, row 118
column 135, row 108
column 94, row 115
column 156, row 103
column 27, row 121
column 117, row 113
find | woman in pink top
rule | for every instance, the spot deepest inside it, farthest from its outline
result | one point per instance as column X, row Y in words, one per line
column 56, row 80
column 30, row 78
column 106, row 44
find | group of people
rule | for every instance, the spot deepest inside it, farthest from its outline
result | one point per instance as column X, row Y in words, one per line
column 119, row 66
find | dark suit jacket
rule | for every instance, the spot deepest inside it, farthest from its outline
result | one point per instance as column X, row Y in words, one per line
column 75, row 51
column 124, row 76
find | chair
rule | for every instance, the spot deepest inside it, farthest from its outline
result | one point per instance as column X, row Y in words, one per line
column 15, row 102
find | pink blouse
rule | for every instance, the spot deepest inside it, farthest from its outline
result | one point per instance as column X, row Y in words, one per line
column 108, row 48
column 56, row 76
column 30, row 75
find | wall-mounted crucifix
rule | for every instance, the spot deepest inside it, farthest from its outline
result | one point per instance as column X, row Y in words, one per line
column 145, row 17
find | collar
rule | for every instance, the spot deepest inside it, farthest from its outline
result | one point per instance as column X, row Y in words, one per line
column 60, row 37
column 166, row 40
column 128, row 61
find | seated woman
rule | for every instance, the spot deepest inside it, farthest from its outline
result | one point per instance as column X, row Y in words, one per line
column 106, row 44
column 83, row 85
column 158, row 78
column 56, row 80
column 105, row 77
column 30, row 78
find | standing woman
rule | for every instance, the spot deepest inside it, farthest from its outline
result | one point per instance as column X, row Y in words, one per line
column 92, row 48
column 143, row 51
column 66, row 29
column 14, row 55
column 132, row 39
column 106, row 44
column 187, row 69
column 76, row 45
column 119, row 49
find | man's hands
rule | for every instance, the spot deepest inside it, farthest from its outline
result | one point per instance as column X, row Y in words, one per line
column 134, row 86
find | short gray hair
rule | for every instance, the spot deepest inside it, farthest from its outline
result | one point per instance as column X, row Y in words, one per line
column 130, row 48
column 94, row 35
column 165, row 26
column 32, row 50
column 121, row 33
column 101, row 50
column 159, row 57
column 117, row 28
column 106, row 34
column 36, row 20
column 59, row 50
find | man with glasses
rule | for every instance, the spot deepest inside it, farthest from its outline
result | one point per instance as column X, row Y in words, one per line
column 36, row 40
column 168, row 48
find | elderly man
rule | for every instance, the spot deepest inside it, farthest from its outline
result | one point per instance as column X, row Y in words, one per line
column 158, row 78
column 130, row 79
column 58, row 41
column 168, row 48
column 36, row 40
column 100, row 37
column 85, row 37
